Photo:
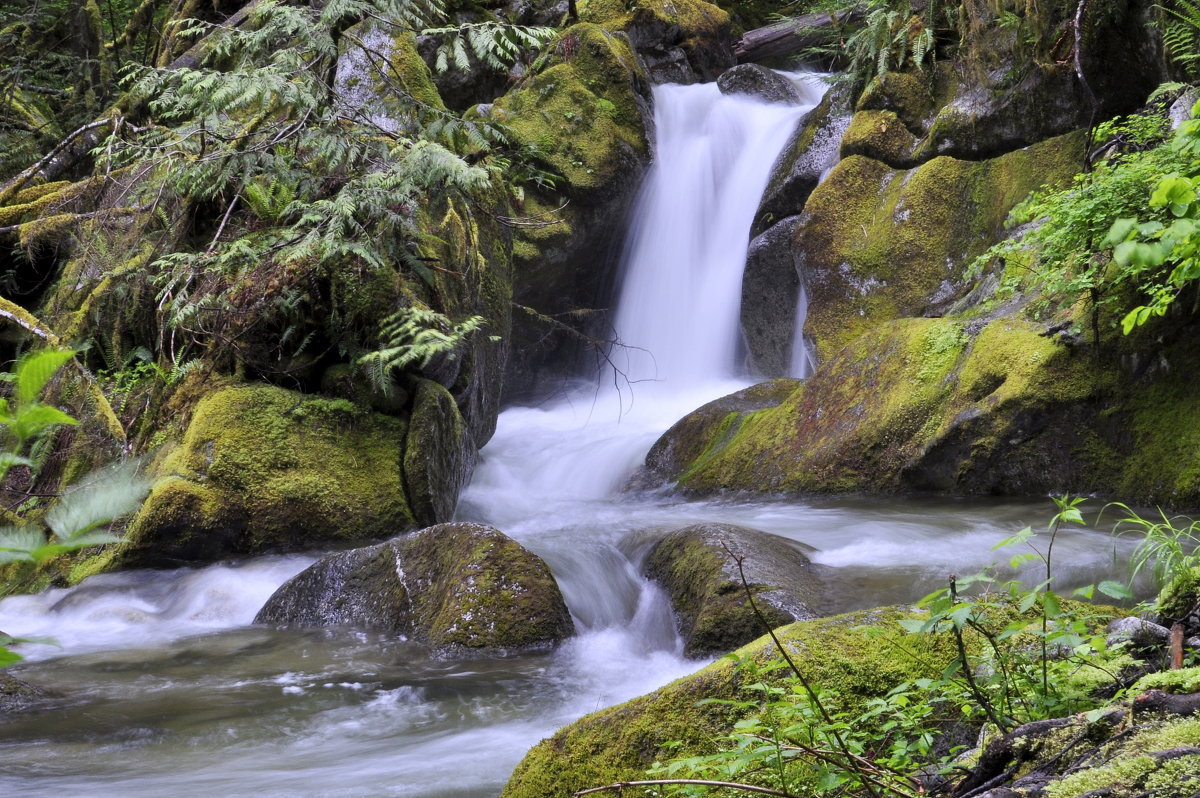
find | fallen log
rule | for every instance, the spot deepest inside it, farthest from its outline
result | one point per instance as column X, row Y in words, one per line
column 792, row 36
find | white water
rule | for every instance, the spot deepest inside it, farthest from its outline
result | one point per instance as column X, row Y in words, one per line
column 167, row 690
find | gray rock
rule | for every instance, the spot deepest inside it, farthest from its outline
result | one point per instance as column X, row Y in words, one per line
column 810, row 153
column 17, row 695
column 758, row 81
column 454, row 586
column 770, row 290
column 706, row 589
column 1140, row 632
column 1181, row 110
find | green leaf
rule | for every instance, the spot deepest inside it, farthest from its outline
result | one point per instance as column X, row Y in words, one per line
column 35, row 370
column 34, row 419
column 102, row 498
column 1051, row 604
column 1114, row 589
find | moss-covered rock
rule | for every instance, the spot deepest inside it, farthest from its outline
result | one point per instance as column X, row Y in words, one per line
column 367, row 82
column 680, row 41
column 852, row 654
column 587, row 116
column 697, row 566
column 453, row 586
column 916, row 403
column 439, row 454
column 876, row 244
column 262, row 468
column 882, row 136
column 693, row 435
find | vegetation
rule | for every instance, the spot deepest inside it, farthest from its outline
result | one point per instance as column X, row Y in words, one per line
column 81, row 516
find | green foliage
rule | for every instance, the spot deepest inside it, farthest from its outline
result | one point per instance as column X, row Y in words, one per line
column 414, row 337
column 1064, row 252
column 495, row 44
column 891, row 37
column 332, row 185
column 80, row 517
column 1021, row 652
column 1181, row 34
column 1168, row 545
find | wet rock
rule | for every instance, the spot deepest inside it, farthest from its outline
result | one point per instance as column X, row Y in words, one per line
column 770, row 291
column 688, row 438
column 706, row 590
column 17, row 695
column 439, row 454
column 809, row 154
column 758, row 81
column 454, row 586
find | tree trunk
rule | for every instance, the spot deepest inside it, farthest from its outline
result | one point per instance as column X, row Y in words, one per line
column 791, row 36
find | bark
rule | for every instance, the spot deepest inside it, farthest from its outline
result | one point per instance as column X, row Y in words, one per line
column 791, row 36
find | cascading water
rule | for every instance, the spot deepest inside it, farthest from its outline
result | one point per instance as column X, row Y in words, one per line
column 166, row 689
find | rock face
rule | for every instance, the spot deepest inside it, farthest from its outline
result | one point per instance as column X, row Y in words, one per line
column 758, row 81
column 875, row 244
column 587, row 115
column 453, row 586
column 679, row 41
column 706, row 590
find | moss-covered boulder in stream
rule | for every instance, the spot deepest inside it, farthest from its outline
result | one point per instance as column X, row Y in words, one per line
column 852, row 654
column 916, row 403
column 697, row 566
column 262, row 468
column 453, row 586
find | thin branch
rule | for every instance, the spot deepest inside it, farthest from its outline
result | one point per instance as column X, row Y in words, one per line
column 620, row 785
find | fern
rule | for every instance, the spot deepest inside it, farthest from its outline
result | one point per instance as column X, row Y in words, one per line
column 1181, row 35
column 414, row 337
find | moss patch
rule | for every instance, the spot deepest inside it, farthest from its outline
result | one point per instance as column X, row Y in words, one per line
column 849, row 653
column 261, row 468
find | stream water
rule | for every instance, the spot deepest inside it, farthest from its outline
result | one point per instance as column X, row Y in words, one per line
column 165, row 687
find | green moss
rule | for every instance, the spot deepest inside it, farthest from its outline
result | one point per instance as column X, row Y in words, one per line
column 261, row 468
column 1180, row 682
column 1131, row 770
column 438, row 454
column 907, row 94
column 694, row 18
column 482, row 590
column 848, row 653
column 880, row 243
column 879, row 135
column 581, row 114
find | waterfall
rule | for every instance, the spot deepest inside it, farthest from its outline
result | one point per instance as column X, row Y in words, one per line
column 677, row 315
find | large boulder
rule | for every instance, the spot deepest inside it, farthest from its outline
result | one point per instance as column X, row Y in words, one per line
column 453, row 586
column 771, row 293
column 876, row 244
column 262, row 468
column 699, row 568
column 846, row 653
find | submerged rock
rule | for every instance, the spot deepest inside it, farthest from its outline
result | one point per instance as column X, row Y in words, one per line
column 758, row 81
column 17, row 695
column 702, row 578
column 453, row 586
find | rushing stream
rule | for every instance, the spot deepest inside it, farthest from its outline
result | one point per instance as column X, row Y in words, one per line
column 166, row 689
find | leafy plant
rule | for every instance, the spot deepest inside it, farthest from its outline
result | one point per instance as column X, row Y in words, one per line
column 1017, row 651
column 415, row 336
column 1168, row 545
column 81, row 516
